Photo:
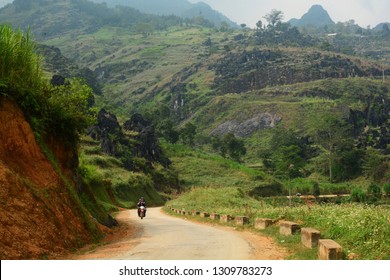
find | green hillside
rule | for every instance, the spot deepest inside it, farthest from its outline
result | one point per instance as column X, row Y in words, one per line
column 249, row 83
column 179, row 104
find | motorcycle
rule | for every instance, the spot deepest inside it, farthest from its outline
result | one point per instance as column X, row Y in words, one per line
column 142, row 210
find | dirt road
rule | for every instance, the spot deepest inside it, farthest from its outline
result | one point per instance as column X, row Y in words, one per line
column 162, row 237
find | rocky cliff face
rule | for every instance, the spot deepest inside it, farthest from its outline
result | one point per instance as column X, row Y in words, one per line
column 257, row 69
column 247, row 127
column 38, row 216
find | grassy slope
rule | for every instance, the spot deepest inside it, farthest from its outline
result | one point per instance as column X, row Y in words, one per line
column 112, row 185
column 165, row 53
column 200, row 169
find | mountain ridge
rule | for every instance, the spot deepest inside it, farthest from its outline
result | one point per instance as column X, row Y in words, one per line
column 316, row 16
column 181, row 8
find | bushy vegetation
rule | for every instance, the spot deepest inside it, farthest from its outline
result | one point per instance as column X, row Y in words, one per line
column 58, row 113
column 198, row 168
column 61, row 111
column 113, row 186
column 360, row 229
column 21, row 76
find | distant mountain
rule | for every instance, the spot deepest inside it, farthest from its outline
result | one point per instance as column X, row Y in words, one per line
column 181, row 8
column 5, row 2
column 53, row 18
column 317, row 16
column 382, row 27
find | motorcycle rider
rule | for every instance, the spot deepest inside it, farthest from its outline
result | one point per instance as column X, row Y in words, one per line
column 141, row 202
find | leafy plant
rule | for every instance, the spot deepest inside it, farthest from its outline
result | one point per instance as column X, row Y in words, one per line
column 20, row 69
column 68, row 113
column 386, row 189
column 374, row 192
column 358, row 195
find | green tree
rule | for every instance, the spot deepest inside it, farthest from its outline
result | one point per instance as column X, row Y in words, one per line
column 386, row 189
column 330, row 133
column 187, row 134
column 166, row 129
column 316, row 189
column 230, row 146
column 233, row 146
column 259, row 25
column 274, row 18
column 284, row 140
column 374, row 192
column 374, row 164
column 289, row 162
column 68, row 113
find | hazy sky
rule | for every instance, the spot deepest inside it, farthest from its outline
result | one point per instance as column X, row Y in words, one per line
column 364, row 12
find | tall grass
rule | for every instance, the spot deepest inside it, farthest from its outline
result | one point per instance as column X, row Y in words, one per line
column 20, row 66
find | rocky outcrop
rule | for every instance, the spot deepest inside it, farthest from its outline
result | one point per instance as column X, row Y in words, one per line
column 247, row 127
column 148, row 146
column 55, row 62
column 370, row 125
column 107, row 127
column 144, row 143
column 39, row 217
column 257, row 69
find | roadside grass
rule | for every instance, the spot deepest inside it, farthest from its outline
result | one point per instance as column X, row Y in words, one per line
column 362, row 230
column 292, row 243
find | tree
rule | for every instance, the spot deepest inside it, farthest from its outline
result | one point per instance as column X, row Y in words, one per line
column 166, row 129
column 229, row 145
column 374, row 192
column 274, row 18
column 289, row 162
column 233, row 146
column 330, row 133
column 259, row 25
column 187, row 134
column 374, row 164
column 68, row 113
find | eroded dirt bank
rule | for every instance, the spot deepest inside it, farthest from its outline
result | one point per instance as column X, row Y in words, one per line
column 38, row 217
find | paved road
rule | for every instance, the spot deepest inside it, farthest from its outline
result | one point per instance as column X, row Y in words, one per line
column 169, row 238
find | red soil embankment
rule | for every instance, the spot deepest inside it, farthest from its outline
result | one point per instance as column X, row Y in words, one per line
column 38, row 217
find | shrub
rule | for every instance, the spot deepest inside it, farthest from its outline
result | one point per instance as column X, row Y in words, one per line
column 316, row 189
column 21, row 76
column 61, row 111
column 374, row 192
column 386, row 189
column 267, row 190
column 68, row 113
column 358, row 195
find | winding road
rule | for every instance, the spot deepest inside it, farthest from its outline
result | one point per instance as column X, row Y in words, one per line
column 163, row 237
